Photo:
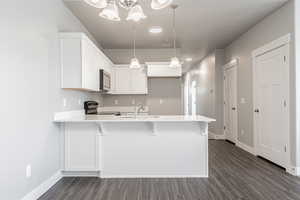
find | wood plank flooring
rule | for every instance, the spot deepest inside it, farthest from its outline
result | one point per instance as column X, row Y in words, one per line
column 234, row 175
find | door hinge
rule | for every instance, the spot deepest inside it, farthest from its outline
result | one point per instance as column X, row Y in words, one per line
column 224, row 77
column 284, row 58
column 224, row 127
column 285, row 148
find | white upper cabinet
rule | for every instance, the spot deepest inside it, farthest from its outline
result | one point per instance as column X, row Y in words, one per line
column 81, row 61
column 129, row 81
column 162, row 69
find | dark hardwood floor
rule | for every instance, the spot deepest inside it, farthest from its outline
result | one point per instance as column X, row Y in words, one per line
column 234, row 174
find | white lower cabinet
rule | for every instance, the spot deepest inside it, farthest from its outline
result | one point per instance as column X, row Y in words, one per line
column 129, row 81
column 82, row 150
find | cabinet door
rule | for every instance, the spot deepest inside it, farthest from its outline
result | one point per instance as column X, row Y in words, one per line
column 90, row 73
column 122, row 80
column 139, row 80
column 81, row 147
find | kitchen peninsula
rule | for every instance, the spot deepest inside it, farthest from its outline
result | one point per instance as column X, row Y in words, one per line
column 135, row 146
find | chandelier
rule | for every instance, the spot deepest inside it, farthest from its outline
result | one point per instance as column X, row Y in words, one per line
column 110, row 9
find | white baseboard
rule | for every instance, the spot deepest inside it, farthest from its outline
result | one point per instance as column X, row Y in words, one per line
column 152, row 176
column 43, row 188
column 214, row 136
column 80, row 174
column 245, row 147
column 295, row 171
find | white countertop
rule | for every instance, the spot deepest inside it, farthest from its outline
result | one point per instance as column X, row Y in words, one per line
column 147, row 118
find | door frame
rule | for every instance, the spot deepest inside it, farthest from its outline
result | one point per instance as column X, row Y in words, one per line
column 283, row 41
column 232, row 64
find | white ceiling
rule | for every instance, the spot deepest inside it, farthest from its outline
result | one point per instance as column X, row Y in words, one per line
column 202, row 25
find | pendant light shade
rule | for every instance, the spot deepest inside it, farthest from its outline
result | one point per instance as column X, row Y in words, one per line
column 136, row 13
column 97, row 3
column 160, row 4
column 175, row 62
column 134, row 63
column 111, row 12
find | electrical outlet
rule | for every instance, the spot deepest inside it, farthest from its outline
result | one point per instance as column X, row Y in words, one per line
column 28, row 171
column 65, row 102
column 161, row 101
column 79, row 102
column 116, row 102
column 242, row 132
column 133, row 101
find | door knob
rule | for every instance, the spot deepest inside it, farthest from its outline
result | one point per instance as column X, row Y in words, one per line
column 233, row 108
column 256, row 110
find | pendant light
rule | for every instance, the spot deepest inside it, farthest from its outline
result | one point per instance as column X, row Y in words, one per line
column 97, row 3
column 160, row 4
column 111, row 11
column 136, row 13
column 175, row 62
column 134, row 64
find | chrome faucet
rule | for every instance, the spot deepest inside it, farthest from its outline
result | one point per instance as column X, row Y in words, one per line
column 138, row 108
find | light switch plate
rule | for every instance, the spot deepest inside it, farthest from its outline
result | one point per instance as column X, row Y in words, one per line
column 116, row 102
column 243, row 100
column 28, row 171
column 65, row 102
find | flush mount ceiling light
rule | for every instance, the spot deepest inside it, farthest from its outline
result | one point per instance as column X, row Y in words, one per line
column 189, row 59
column 175, row 62
column 155, row 29
column 135, row 11
column 97, row 3
column 160, row 4
column 110, row 12
column 134, row 64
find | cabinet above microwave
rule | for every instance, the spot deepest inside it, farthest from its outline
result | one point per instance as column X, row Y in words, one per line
column 81, row 62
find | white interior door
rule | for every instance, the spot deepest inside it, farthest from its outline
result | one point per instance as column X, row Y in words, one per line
column 271, row 112
column 230, row 103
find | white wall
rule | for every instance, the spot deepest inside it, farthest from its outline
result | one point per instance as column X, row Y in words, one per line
column 278, row 24
column 208, row 75
column 297, row 78
column 30, row 91
column 164, row 97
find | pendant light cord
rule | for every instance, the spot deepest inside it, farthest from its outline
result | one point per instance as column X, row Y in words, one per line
column 174, row 31
column 134, row 37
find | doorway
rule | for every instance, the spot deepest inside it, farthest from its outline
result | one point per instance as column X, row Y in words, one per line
column 271, row 102
column 230, row 102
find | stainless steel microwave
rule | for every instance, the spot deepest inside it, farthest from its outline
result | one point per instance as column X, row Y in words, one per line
column 105, row 81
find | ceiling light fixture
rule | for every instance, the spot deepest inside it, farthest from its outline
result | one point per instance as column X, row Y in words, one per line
column 111, row 11
column 160, row 4
column 97, row 3
column 127, row 4
column 135, row 11
column 134, row 64
column 175, row 62
column 155, row 29
column 189, row 59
